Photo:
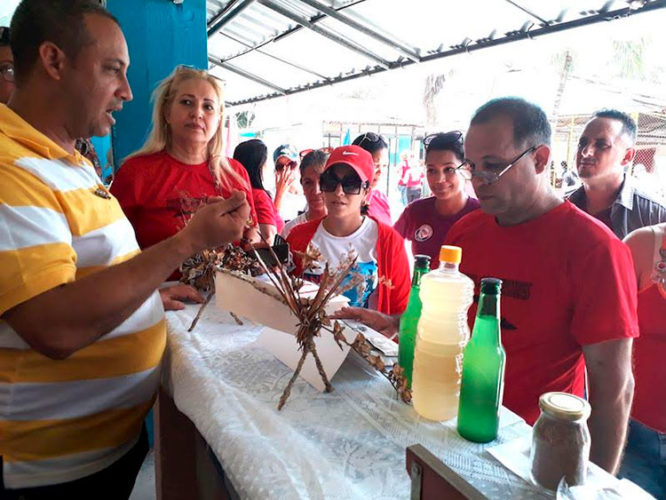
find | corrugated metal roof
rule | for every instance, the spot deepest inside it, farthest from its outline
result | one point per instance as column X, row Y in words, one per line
column 269, row 48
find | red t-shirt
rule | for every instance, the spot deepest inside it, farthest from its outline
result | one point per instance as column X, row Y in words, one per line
column 567, row 282
column 378, row 207
column 649, row 406
column 426, row 228
column 157, row 193
column 266, row 213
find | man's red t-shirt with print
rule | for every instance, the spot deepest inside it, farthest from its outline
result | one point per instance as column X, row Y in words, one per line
column 567, row 282
column 158, row 193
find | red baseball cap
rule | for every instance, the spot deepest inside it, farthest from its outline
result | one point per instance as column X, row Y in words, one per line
column 356, row 157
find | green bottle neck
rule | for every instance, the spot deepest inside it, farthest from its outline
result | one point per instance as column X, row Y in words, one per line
column 487, row 324
column 418, row 273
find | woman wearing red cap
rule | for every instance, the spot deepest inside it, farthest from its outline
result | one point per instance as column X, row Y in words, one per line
column 379, row 250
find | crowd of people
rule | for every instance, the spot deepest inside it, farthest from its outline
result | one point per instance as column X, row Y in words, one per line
column 82, row 329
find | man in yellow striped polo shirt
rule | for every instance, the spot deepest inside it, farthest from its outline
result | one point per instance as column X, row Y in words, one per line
column 82, row 327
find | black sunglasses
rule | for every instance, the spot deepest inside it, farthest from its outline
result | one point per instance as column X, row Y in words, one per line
column 443, row 138
column 351, row 183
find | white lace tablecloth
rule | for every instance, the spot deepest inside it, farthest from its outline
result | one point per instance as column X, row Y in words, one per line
column 346, row 444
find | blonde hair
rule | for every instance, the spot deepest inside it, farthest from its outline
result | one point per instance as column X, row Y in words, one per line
column 159, row 138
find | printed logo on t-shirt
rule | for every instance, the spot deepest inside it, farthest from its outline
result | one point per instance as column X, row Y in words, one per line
column 423, row 233
column 364, row 276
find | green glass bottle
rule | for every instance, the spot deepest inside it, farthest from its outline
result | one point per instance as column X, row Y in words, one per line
column 482, row 383
column 410, row 318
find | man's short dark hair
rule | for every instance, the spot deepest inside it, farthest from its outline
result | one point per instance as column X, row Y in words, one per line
column 4, row 36
column 530, row 123
column 58, row 21
column 629, row 127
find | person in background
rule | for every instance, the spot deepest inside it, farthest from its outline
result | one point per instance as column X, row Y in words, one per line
column 606, row 149
column 404, row 167
column 312, row 165
column 377, row 204
column 426, row 221
column 180, row 167
column 252, row 155
column 569, row 292
column 645, row 455
column 411, row 177
column 82, row 326
column 288, row 197
column 7, row 83
column 345, row 233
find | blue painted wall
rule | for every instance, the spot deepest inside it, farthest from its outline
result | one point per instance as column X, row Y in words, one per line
column 160, row 36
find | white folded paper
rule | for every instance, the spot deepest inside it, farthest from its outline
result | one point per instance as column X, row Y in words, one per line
column 257, row 299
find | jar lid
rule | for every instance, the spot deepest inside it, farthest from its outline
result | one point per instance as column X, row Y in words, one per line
column 449, row 253
column 564, row 406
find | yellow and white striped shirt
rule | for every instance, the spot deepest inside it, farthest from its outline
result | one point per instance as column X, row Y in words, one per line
column 63, row 420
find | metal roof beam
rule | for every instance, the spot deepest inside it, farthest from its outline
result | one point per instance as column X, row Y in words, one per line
column 324, row 32
column 246, row 74
column 512, row 36
column 284, row 61
column 234, row 8
column 528, row 12
column 408, row 52
column 290, row 31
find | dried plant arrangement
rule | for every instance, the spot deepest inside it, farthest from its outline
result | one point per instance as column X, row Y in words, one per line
column 312, row 317
column 199, row 271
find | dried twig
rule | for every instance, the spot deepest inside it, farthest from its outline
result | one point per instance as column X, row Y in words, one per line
column 287, row 390
column 236, row 318
column 201, row 309
column 312, row 318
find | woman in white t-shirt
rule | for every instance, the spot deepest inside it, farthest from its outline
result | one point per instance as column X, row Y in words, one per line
column 379, row 250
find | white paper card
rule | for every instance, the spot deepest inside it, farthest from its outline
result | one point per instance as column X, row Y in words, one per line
column 284, row 347
column 244, row 299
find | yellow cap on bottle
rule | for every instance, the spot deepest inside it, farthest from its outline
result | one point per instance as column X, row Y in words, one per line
column 450, row 254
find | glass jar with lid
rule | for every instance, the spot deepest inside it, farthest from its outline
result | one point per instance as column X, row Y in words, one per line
column 560, row 440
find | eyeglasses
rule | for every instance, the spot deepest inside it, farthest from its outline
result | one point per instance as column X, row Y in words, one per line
column 7, row 71
column 489, row 177
column 351, row 184
column 370, row 137
column 443, row 138
column 305, row 152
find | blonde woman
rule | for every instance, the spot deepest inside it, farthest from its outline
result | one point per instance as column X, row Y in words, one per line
column 180, row 166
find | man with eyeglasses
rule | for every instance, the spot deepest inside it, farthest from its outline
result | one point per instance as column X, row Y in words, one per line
column 569, row 290
column 606, row 150
column 6, row 66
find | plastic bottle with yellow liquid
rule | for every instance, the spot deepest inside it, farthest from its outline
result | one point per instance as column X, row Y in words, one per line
column 443, row 332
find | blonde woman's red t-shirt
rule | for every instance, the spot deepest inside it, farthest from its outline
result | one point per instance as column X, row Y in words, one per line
column 159, row 193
